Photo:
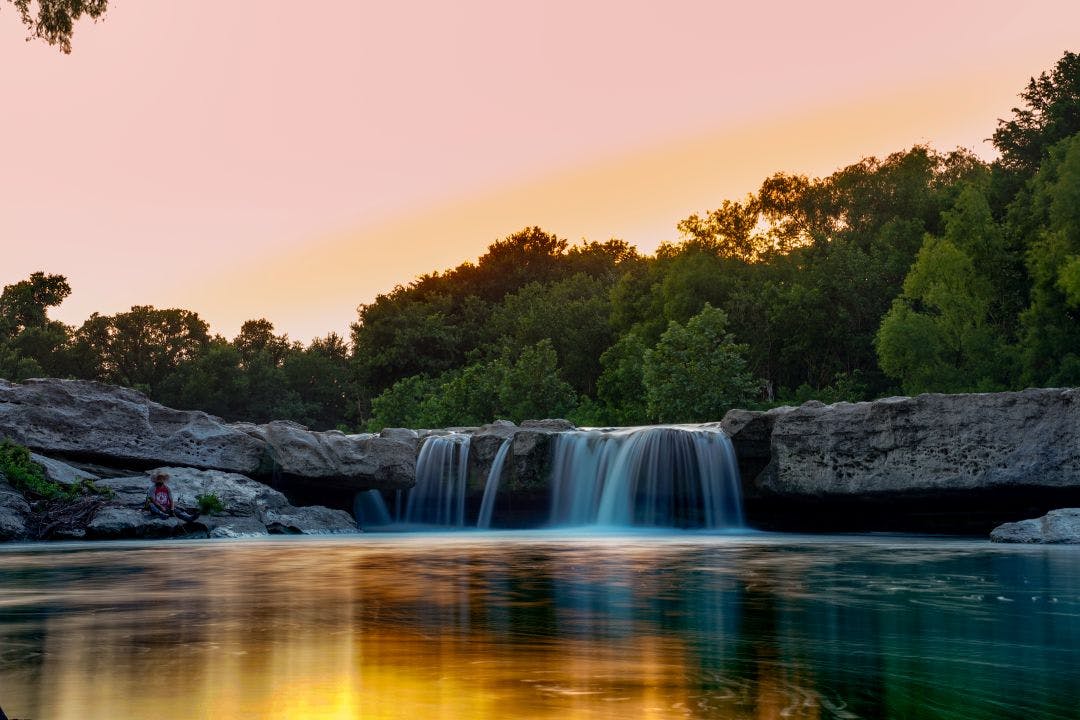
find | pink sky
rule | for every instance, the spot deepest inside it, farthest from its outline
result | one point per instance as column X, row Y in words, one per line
column 242, row 160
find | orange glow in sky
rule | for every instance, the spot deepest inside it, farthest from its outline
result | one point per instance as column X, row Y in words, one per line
column 290, row 161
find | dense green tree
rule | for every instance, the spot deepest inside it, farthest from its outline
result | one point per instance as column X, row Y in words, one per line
column 34, row 345
column 571, row 313
column 142, row 347
column 1051, row 333
column 1050, row 113
column 620, row 391
column 697, row 372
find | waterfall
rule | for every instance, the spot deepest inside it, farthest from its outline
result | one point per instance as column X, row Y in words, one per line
column 491, row 488
column 651, row 476
column 438, row 497
column 370, row 510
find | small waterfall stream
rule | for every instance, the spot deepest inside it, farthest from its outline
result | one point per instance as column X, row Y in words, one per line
column 370, row 509
column 441, row 473
column 491, row 488
column 651, row 476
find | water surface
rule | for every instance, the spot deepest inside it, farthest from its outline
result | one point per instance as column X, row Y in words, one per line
column 541, row 625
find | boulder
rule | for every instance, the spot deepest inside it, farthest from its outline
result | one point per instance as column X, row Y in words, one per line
column 531, row 454
column 1057, row 526
column 310, row 520
column 332, row 460
column 483, row 446
column 115, row 522
column 62, row 473
column 14, row 513
column 751, row 435
column 925, row 445
column 94, row 421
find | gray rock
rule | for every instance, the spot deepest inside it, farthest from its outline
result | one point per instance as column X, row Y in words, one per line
column 483, row 446
column 926, row 444
column 114, row 425
column 311, row 520
column 234, row 527
column 529, row 464
column 551, row 424
column 14, row 512
column 115, row 522
column 334, row 460
column 751, row 435
column 62, row 473
column 240, row 495
column 251, row 509
column 1057, row 526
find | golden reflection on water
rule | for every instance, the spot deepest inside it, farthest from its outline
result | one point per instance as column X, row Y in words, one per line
column 412, row 628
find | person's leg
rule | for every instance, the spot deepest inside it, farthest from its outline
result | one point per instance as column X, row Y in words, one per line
column 158, row 512
column 186, row 515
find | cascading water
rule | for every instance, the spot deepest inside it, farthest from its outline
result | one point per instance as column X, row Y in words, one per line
column 438, row 498
column 370, row 509
column 651, row 476
column 491, row 488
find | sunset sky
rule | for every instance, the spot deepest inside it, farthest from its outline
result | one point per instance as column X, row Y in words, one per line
column 292, row 160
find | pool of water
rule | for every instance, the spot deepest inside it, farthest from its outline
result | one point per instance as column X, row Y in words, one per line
column 540, row 625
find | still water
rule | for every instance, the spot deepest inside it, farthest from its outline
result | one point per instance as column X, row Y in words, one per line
column 537, row 625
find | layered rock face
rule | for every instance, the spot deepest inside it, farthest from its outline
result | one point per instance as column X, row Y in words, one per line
column 119, row 427
column 983, row 456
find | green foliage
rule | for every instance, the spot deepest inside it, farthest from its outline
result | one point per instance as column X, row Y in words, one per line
column 142, row 347
column 697, row 372
column 1050, row 340
column 210, row 504
column 572, row 314
column 937, row 336
column 29, row 478
column 54, row 20
column 621, row 387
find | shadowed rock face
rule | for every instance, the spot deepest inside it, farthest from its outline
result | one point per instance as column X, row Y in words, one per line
column 14, row 512
column 1057, row 526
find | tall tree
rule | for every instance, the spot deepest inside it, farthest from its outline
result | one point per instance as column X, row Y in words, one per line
column 54, row 20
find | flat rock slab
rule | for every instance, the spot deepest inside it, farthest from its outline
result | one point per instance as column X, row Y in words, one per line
column 925, row 444
column 1056, row 527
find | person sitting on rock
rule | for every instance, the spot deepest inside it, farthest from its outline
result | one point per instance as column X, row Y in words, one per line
column 159, row 500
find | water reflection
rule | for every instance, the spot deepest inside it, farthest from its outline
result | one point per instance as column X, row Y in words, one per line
column 538, row 625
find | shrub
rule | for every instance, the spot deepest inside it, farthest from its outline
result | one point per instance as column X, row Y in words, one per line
column 210, row 504
column 25, row 475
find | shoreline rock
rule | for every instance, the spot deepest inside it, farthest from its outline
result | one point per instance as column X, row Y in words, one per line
column 1056, row 527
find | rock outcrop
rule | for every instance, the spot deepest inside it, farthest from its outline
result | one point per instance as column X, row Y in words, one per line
column 94, row 421
column 334, row 460
column 1057, row 526
column 954, row 463
column 251, row 509
column 924, row 444
column 117, row 427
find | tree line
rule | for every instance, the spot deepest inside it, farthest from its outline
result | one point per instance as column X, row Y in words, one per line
column 921, row 271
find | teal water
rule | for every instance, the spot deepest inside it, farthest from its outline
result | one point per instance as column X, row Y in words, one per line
column 486, row 625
